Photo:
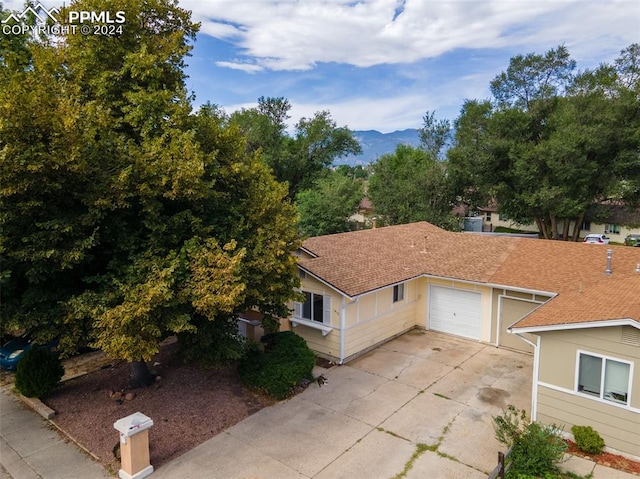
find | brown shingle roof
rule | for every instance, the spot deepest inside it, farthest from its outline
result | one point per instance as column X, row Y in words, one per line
column 363, row 261
column 575, row 271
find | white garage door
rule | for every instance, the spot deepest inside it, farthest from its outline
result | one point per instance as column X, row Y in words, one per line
column 455, row 311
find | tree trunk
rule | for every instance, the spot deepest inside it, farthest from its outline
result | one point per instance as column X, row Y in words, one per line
column 139, row 375
column 541, row 227
column 565, row 229
column 554, row 227
column 576, row 228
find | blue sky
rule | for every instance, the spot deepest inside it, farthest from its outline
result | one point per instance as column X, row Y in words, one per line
column 381, row 64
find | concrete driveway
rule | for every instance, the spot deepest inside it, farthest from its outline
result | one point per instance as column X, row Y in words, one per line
column 421, row 403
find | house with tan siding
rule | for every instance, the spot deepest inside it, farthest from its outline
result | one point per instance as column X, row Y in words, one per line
column 576, row 311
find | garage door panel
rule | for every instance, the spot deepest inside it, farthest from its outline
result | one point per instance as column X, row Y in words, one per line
column 455, row 311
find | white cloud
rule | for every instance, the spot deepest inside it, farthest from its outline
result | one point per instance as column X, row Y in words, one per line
column 245, row 67
column 296, row 35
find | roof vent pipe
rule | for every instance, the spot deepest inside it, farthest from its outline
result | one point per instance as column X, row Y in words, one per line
column 609, row 255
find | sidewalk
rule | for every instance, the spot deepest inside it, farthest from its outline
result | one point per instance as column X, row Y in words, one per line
column 582, row 467
column 30, row 448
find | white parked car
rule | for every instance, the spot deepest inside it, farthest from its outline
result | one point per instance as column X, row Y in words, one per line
column 596, row 239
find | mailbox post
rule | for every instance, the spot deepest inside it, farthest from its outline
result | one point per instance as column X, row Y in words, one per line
column 134, row 446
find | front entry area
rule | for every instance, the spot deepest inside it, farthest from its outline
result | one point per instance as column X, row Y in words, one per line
column 455, row 311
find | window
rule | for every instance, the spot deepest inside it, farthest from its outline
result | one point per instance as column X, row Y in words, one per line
column 612, row 228
column 316, row 307
column 398, row 292
column 604, row 378
column 487, row 216
column 586, row 226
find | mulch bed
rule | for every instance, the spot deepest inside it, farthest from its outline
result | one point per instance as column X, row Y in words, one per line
column 607, row 459
column 188, row 406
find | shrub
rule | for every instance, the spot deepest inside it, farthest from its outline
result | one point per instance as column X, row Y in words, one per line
column 588, row 440
column 536, row 449
column 285, row 362
column 215, row 344
column 38, row 373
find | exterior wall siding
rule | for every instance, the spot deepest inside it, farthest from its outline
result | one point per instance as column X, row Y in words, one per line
column 594, row 228
column 508, row 307
column 368, row 321
column 558, row 403
column 329, row 345
column 619, row 427
column 325, row 346
column 599, row 228
column 560, row 347
column 370, row 333
column 374, row 318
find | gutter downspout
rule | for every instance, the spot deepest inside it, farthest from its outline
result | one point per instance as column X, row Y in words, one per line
column 343, row 322
column 534, row 384
column 536, row 371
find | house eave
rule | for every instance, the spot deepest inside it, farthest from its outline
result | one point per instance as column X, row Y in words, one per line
column 607, row 323
column 308, row 251
column 326, row 283
column 429, row 276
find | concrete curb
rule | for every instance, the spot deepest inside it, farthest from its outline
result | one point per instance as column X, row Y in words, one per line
column 38, row 406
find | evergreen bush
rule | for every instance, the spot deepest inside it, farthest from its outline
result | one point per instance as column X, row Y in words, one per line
column 38, row 373
column 588, row 440
column 285, row 363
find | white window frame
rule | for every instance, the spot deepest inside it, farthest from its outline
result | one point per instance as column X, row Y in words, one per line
column 298, row 309
column 602, row 397
column 398, row 293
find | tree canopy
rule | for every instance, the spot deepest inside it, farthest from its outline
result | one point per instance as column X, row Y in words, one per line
column 127, row 217
column 327, row 206
column 297, row 159
column 411, row 185
column 553, row 143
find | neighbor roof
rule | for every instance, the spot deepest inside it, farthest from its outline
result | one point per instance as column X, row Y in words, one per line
column 362, row 261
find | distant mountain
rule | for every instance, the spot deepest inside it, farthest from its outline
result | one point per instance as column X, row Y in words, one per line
column 375, row 144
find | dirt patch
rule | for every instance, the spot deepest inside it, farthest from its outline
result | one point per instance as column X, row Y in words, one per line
column 607, row 459
column 188, row 406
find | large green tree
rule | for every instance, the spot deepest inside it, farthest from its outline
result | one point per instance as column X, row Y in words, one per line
column 327, row 206
column 412, row 185
column 297, row 159
column 126, row 217
column 553, row 143
column 434, row 135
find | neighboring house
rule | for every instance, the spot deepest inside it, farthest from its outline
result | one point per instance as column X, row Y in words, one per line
column 614, row 220
column 363, row 217
column 492, row 219
column 365, row 287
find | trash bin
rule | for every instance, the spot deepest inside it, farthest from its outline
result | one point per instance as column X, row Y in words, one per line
column 134, row 446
